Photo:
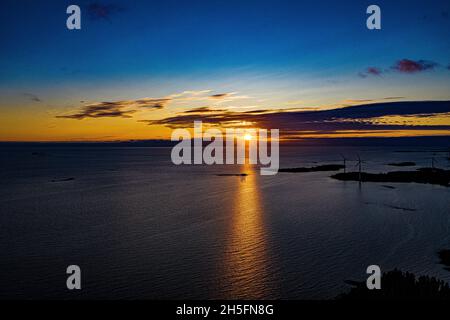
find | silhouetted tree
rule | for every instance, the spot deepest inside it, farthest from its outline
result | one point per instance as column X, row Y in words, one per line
column 398, row 285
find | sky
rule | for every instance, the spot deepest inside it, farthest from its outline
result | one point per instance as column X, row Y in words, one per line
column 139, row 69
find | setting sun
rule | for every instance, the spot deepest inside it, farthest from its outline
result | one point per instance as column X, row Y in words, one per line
column 248, row 137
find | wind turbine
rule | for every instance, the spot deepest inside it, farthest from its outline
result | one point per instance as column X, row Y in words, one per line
column 359, row 165
column 345, row 162
column 433, row 161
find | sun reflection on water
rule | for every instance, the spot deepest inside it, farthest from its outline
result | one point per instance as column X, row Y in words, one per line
column 246, row 260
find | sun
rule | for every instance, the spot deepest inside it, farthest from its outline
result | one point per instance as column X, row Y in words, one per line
column 248, row 137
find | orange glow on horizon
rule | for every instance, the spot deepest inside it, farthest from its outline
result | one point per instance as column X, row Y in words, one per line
column 20, row 124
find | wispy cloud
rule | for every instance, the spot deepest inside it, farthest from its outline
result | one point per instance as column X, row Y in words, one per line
column 125, row 108
column 97, row 10
column 120, row 109
column 413, row 66
column 203, row 110
column 405, row 66
column 362, row 117
column 371, row 71
column 393, row 98
column 189, row 93
column 205, row 95
column 357, row 101
column 99, row 111
column 349, row 102
column 227, row 97
column 221, row 95
column 149, row 103
column 32, row 97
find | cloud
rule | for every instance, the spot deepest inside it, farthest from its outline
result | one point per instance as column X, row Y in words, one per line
column 371, row 71
column 220, row 95
column 119, row 109
column 211, row 116
column 99, row 111
column 203, row 110
column 362, row 117
column 190, row 93
column 352, row 101
column 99, row 11
column 149, row 103
column 205, row 95
column 374, row 71
column 406, row 66
column 125, row 108
column 32, row 97
column 393, row 98
column 411, row 66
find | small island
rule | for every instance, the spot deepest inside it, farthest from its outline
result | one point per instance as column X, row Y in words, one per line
column 421, row 175
column 63, row 179
column 402, row 164
column 328, row 167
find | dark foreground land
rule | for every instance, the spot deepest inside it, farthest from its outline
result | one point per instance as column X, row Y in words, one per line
column 422, row 175
column 399, row 285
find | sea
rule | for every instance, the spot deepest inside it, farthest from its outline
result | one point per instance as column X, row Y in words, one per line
column 140, row 227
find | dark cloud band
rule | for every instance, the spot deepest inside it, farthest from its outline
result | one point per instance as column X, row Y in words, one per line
column 362, row 117
column 118, row 109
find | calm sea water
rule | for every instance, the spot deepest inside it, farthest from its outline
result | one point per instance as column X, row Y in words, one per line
column 140, row 227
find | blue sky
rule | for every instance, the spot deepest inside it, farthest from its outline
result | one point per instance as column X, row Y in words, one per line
column 141, row 39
